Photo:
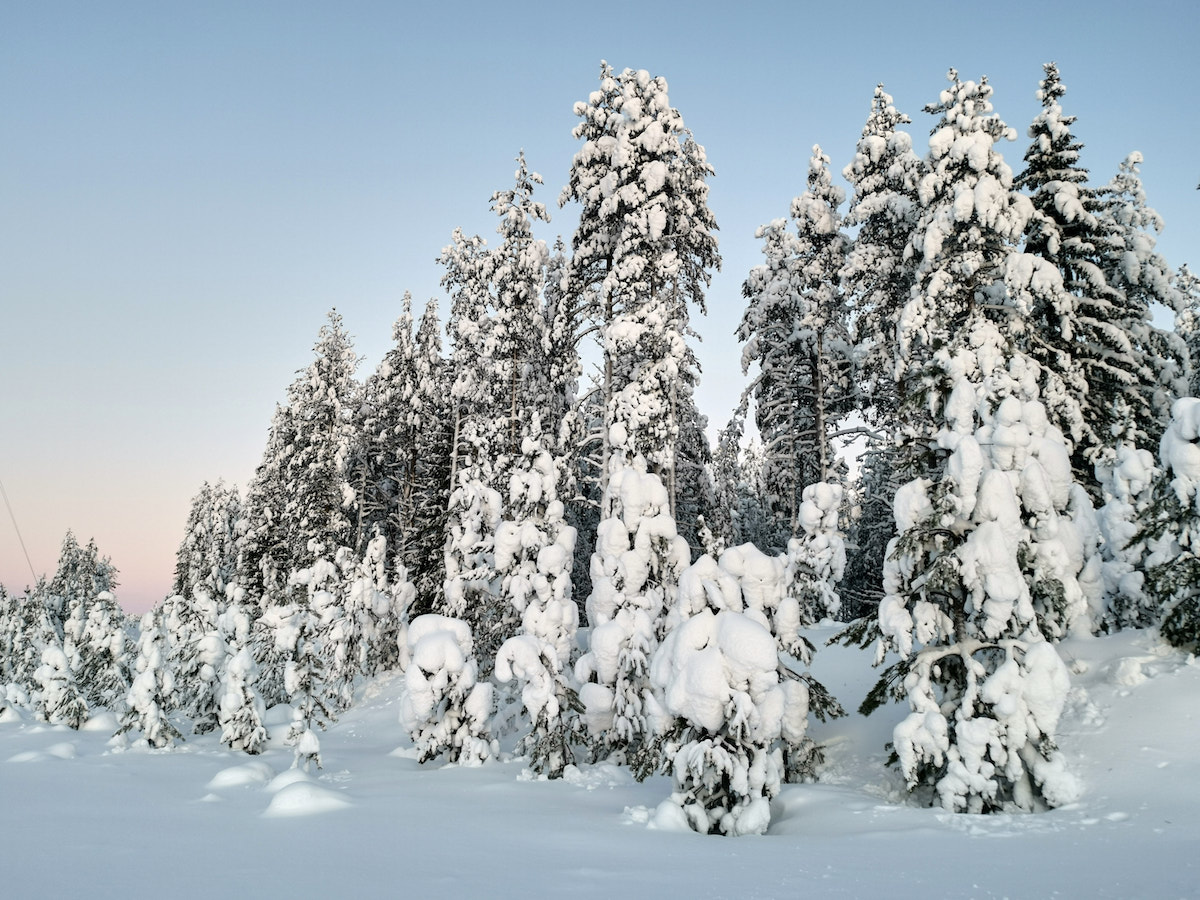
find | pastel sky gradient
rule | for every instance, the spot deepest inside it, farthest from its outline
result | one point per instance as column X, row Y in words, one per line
column 187, row 189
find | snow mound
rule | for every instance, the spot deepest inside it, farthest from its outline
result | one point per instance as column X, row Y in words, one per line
column 104, row 721
column 600, row 775
column 287, row 778
column 9, row 714
column 240, row 776
column 303, row 798
column 65, row 750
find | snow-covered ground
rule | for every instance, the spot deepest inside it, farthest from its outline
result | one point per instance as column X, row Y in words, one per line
column 81, row 818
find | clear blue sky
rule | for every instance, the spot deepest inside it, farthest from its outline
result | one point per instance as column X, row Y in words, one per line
column 186, row 189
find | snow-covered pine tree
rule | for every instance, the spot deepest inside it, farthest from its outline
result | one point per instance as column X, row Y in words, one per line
column 81, row 576
column 695, row 494
column 516, row 273
column 58, row 699
column 305, row 681
column 384, row 457
column 149, row 697
column 643, row 251
column 106, row 654
column 867, row 538
column 983, row 566
column 263, row 555
column 717, row 674
column 635, row 571
column 207, row 556
column 1127, row 479
column 92, row 627
column 29, row 627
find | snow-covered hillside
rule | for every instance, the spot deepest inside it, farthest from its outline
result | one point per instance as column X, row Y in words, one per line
column 82, row 818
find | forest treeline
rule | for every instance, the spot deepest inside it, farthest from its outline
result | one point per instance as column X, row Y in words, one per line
column 970, row 440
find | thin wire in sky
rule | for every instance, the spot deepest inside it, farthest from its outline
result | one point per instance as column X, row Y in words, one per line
column 17, row 529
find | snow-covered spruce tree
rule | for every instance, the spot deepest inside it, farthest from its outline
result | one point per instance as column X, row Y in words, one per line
column 384, row 455
column 82, row 573
column 378, row 603
column 149, row 699
column 207, row 556
column 879, row 267
column 29, row 627
column 58, row 699
column 867, row 537
column 1141, row 278
column 877, row 279
column 320, row 592
column 635, row 571
column 1187, row 323
column 445, row 708
column 305, row 681
column 1084, row 332
column 473, row 511
column 795, row 331
column 195, row 650
column 727, row 476
column 1127, row 479
column 106, row 654
column 986, row 559
column 516, row 273
column 534, row 552
column 718, row 676
column 423, row 537
column 816, row 558
column 240, row 709
column 1171, row 528
column 300, row 503
column 695, row 495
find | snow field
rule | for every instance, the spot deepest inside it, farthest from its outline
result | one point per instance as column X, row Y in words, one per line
column 205, row 822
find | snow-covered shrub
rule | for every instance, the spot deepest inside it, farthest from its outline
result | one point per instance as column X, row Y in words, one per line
column 444, row 708
column 718, row 674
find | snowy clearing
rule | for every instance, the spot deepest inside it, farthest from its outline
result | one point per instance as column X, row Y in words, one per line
column 201, row 821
